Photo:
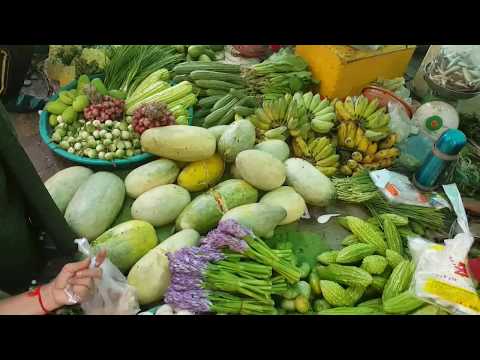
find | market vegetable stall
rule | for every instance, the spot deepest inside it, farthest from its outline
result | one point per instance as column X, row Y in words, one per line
column 243, row 210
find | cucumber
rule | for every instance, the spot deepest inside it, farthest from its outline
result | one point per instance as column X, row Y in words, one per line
column 230, row 114
column 195, row 51
column 217, row 47
column 222, row 102
column 189, row 66
column 204, row 58
column 219, row 114
column 208, row 102
column 239, row 94
column 211, row 92
column 243, row 110
column 179, row 78
column 217, row 84
column 215, row 75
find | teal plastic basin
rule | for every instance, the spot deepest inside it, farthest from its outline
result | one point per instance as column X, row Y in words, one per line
column 46, row 131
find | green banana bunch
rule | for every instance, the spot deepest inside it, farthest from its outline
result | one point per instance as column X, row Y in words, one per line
column 320, row 112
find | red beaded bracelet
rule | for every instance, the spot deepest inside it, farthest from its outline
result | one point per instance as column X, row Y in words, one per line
column 36, row 292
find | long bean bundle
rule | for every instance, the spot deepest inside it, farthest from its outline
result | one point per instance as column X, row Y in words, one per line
column 360, row 189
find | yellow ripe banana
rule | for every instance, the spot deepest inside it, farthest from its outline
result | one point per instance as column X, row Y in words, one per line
column 372, row 148
column 358, row 135
column 342, row 133
column 341, row 112
column 328, row 161
column 349, row 107
column 371, row 107
column 363, row 144
column 328, row 170
column 296, row 149
column 350, row 137
column 388, row 142
column 368, row 159
column 326, row 152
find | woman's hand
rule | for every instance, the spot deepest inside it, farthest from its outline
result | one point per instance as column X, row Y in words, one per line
column 76, row 278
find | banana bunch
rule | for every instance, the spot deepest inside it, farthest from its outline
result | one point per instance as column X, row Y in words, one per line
column 319, row 151
column 366, row 154
column 280, row 118
column 321, row 112
column 372, row 118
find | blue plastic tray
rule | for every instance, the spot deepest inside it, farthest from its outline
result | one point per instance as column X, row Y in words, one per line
column 46, row 131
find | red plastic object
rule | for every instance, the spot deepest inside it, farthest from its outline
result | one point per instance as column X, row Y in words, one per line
column 252, row 51
column 474, row 267
column 385, row 96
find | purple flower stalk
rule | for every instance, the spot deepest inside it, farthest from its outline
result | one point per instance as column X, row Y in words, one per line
column 192, row 300
column 233, row 228
column 218, row 240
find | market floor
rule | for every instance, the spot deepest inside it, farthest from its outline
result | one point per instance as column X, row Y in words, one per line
column 44, row 161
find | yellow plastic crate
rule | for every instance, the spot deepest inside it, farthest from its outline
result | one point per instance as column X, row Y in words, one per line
column 343, row 70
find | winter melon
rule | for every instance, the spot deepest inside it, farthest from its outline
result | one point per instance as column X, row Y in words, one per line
column 200, row 175
column 289, row 199
column 127, row 243
column 161, row 205
column 146, row 177
column 95, row 205
column 64, row 184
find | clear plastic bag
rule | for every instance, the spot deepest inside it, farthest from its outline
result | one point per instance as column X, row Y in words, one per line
column 112, row 294
column 400, row 122
column 441, row 276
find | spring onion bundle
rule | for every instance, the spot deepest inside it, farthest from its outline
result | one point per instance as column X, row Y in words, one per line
column 231, row 272
column 129, row 65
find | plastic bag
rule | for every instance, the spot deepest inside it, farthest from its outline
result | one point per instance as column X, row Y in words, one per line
column 398, row 189
column 367, row 47
column 112, row 294
column 400, row 122
column 441, row 277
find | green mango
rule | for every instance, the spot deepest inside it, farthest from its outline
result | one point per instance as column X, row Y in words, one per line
column 81, row 82
column 80, row 103
column 100, row 86
column 69, row 115
column 65, row 97
column 55, row 107
column 52, row 120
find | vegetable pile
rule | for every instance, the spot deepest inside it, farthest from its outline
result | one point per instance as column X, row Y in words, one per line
column 195, row 229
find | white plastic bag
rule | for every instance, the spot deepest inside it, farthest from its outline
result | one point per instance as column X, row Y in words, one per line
column 400, row 122
column 112, row 294
column 441, row 277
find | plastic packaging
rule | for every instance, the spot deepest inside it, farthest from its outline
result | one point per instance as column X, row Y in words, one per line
column 397, row 188
column 441, row 277
column 112, row 295
column 400, row 122
column 413, row 151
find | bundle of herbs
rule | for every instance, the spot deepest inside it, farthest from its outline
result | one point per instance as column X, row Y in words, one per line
column 231, row 272
column 129, row 65
column 466, row 172
column 283, row 72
